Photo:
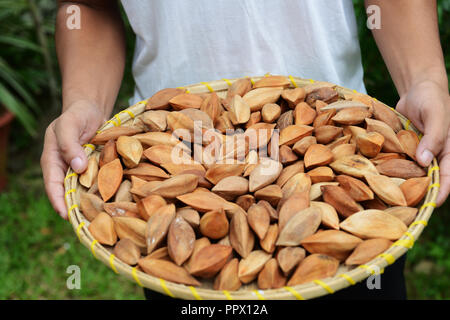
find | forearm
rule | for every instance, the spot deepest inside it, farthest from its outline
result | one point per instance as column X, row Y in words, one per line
column 91, row 58
column 409, row 42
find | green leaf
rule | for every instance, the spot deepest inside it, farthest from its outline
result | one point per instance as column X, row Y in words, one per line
column 19, row 109
column 20, row 43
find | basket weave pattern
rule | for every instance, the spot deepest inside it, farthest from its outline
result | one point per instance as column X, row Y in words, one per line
column 342, row 279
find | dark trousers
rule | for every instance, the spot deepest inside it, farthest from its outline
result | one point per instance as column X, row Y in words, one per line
column 392, row 287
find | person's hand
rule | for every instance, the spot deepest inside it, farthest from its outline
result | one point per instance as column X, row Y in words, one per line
column 63, row 142
column 427, row 105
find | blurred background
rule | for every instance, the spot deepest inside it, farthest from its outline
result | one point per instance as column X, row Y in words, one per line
column 36, row 246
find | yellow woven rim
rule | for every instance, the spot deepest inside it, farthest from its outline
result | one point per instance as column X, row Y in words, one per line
column 342, row 279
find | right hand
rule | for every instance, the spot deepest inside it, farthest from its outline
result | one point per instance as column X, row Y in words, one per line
column 63, row 142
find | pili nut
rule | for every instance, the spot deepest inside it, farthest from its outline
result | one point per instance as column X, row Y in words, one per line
column 398, row 181
column 301, row 225
column 342, row 105
column 241, row 237
column 255, row 117
column 355, row 188
column 259, row 134
column 370, row 144
column 180, row 240
column 270, row 276
column 167, row 270
column 391, row 142
column 406, row 214
column 321, row 174
column 289, row 171
column 218, row 172
column 214, row 224
column 180, row 168
column 409, row 141
column 289, row 257
column 268, row 243
column 204, row 200
column 265, row 173
column 211, row 106
column 259, row 220
column 149, row 205
column 250, row 266
column 121, row 208
column 186, row 100
column 354, row 165
column 258, row 97
column 130, row 150
column 231, row 187
column 343, row 150
column 102, row 229
column 131, row 228
column 178, row 121
column 304, row 114
column 414, row 189
column 245, row 201
column 317, row 155
column 127, row 251
column 176, row 186
column 387, row 190
column 91, row 205
column 271, row 193
column 160, row 100
column 272, row 212
column 320, row 105
column 108, row 153
column 228, row 278
column 146, row 171
column 300, row 182
column 326, row 134
column 329, row 215
column 386, row 115
column 295, row 203
column 88, row 177
column 340, row 200
column 160, row 253
column 352, row 116
column 368, row 250
column 373, row 223
column 324, row 118
column 270, row 112
column 286, row 119
column 314, row 267
column 325, row 94
column 155, row 120
column 354, row 131
column 190, row 215
column 239, row 87
column 113, row 133
column 198, row 245
column 109, row 179
column 157, row 226
column 272, row 81
column 303, row 144
column 240, row 109
column 400, row 168
column 316, row 189
column 374, row 203
column 123, row 193
column 286, row 155
column 334, row 243
column 201, row 118
column 293, row 96
column 345, row 139
column 209, row 260
column 157, row 138
column 291, row 134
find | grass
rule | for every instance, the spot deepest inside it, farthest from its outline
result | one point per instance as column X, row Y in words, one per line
column 37, row 247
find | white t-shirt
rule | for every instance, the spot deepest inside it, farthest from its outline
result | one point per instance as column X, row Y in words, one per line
column 181, row 42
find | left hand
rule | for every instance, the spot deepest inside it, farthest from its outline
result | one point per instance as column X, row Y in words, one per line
column 427, row 105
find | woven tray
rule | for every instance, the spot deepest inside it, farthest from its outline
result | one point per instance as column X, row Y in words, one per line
column 344, row 277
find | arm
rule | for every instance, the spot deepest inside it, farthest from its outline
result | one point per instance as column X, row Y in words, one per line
column 409, row 43
column 91, row 61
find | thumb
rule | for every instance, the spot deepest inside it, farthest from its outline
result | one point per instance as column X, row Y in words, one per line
column 433, row 140
column 68, row 133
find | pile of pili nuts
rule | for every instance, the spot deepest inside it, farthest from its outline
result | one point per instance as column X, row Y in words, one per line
column 261, row 183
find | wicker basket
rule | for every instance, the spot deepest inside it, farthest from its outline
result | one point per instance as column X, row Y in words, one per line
column 344, row 277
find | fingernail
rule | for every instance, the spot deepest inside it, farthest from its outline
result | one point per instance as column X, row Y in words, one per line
column 426, row 157
column 76, row 164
